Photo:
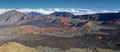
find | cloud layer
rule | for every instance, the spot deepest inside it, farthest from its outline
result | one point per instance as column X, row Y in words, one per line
column 51, row 10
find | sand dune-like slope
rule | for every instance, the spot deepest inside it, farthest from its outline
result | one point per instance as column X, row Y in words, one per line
column 89, row 26
column 15, row 47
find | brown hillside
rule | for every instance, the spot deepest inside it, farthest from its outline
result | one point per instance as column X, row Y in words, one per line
column 27, row 29
column 89, row 26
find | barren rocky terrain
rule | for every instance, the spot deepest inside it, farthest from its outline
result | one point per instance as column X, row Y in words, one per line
column 59, row 32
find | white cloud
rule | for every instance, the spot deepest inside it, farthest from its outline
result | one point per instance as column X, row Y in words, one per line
column 51, row 10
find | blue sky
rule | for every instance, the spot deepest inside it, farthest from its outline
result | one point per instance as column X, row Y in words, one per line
column 104, row 4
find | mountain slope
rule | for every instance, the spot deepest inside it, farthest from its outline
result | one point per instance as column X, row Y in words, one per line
column 89, row 26
column 112, row 23
column 100, row 16
column 11, row 17
column 62, row 14
column 15, row 47
column 34, row 15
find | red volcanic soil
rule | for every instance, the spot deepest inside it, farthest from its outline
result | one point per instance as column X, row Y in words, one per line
column 89, row 26
column 33, row 29
column 27, row 29
column 65, row 21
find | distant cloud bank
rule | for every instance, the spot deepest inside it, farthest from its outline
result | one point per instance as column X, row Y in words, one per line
column 74, row 11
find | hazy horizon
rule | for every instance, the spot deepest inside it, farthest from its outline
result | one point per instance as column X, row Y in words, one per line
column 76, row 11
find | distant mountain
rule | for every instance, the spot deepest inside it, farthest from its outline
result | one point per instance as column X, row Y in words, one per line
column 112, row 23
column 62, row 14
column 100, row 16
column 11, row 17
column 109, row 16
column 16, row 17
column 93, row 17
column 34, row 15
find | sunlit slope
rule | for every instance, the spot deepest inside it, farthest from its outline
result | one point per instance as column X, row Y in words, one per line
column 15, row 47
